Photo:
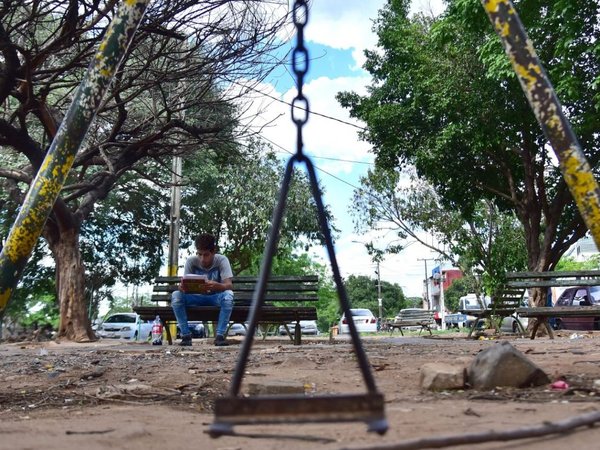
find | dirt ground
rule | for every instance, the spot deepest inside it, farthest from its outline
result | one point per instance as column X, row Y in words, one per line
column 137, row 396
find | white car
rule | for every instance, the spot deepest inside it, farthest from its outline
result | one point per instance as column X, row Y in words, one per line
column 237, row 329
column 124, row 326
column 364, row 320
column 510, row 323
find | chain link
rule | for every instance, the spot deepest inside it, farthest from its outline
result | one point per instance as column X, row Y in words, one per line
column 300, row 107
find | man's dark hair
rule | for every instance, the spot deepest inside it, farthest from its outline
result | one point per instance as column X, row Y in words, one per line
column 205, row 241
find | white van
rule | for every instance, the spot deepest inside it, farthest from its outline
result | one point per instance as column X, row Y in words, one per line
column 470, row 301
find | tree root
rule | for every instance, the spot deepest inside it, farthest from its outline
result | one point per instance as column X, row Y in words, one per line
column 544, row 429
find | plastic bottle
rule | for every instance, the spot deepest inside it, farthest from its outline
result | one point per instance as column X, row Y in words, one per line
column 157, row 331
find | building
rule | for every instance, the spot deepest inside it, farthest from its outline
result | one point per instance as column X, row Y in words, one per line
column 440, row 280
column 582, row 250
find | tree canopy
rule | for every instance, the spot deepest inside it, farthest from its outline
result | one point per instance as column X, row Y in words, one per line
column 172, row 95
column 235, row 200
column 488, row 241
column 363, row 293
column 445, row 100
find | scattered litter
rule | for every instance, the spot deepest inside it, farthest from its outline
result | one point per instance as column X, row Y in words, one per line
column 560, row 385
column 575, row 336
column 310, row 388
column 470, row 412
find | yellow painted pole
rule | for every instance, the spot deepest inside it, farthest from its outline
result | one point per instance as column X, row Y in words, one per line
column 58, row 161
column 548, row 111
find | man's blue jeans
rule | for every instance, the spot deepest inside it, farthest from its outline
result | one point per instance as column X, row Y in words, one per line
column 180, row 301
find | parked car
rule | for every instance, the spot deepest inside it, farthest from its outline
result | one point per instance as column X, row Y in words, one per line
column 197, row 329
column 364, row 320
column 237, row 329
column 510, row 323
column 578, row 296
column 306, row 327
column 124, row 326
column 470, row 301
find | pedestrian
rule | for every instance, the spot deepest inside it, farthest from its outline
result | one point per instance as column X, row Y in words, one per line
column 217, row 290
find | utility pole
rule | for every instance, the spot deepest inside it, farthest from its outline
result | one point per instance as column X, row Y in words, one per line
column 379, row 299
column 175, row 217
column 426, row 278
column 442, row 299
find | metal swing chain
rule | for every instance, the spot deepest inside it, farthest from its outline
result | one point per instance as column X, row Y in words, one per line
column 300, row 68
column 234, row 409
column 300, row 63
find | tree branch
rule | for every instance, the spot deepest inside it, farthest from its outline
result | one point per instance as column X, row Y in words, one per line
column 545, row 429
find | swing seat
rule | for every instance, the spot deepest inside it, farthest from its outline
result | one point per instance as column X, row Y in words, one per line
column 278, row 409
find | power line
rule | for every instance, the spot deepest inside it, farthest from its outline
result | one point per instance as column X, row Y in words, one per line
column 343, row 160
column 314, row 156
column 323, row 170
column 300, row 108
column 318, row 168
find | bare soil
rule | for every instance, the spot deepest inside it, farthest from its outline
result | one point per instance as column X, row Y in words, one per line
column 112, row 394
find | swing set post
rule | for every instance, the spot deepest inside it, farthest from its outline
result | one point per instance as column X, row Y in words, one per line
column 548, row 111
column 53, row 172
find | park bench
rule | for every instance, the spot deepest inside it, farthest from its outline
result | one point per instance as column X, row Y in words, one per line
column 504, row 303
column 288, row 291
column 423, row 318
column 542, row 314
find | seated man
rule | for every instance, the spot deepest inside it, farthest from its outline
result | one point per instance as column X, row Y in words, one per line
column 218, row 289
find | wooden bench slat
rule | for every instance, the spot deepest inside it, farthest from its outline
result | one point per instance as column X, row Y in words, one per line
column 573, row 278
column 554, row 283
column 553, row 274
column 238, row 315
column 560, row 311
column 248, row 296
column 250, row 279
column 247, row 288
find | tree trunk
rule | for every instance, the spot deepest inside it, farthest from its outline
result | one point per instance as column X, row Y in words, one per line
column 74, row 324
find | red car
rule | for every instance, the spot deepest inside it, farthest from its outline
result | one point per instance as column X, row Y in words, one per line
column 578, row 296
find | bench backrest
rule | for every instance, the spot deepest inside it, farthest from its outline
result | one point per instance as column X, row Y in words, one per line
column 507, row 298
column 553, row 279
column 280, row 288
column 415, row 315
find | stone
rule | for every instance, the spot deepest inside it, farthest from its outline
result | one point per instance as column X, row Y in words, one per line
column 440, row 376
column 276, row 387
column 504, row 365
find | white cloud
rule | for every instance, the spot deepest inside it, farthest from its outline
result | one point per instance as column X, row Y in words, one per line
column 406, row 269
column 344, row 24
column 347, row 24
column 322, row 136
column 330, row 138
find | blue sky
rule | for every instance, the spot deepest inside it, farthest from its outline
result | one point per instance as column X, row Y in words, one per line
column 337, row 33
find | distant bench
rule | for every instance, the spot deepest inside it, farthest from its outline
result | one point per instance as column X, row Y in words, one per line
column 289, row 289
column 423, row 318
column 527, row 280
